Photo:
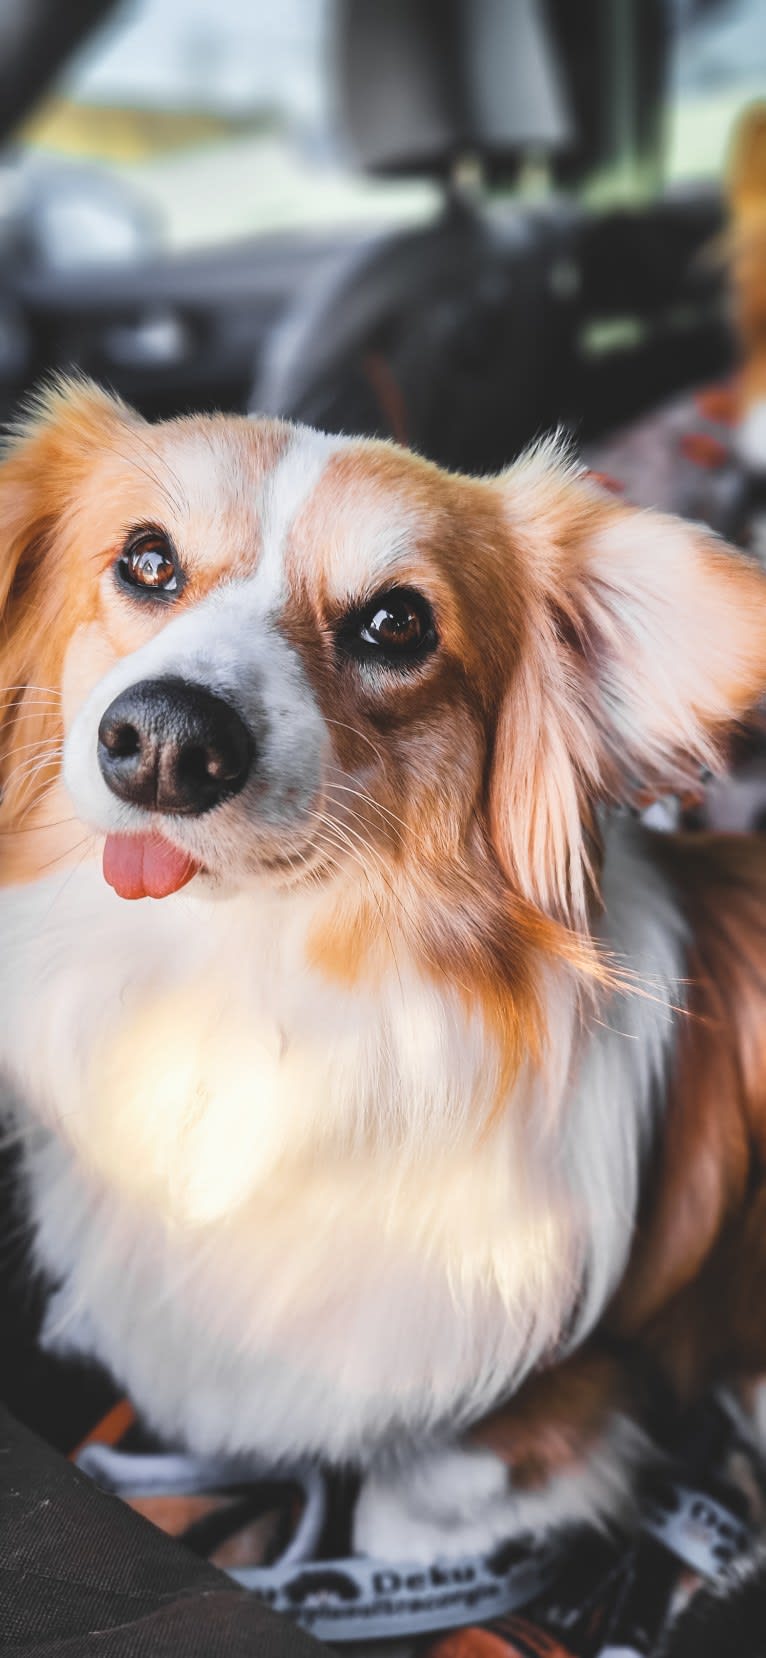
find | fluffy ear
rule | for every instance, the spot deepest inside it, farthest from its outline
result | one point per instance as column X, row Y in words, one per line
column 47, row 456
column 645, row 641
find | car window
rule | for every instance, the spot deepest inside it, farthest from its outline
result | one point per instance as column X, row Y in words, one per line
column 190, row 123
column 216, row 118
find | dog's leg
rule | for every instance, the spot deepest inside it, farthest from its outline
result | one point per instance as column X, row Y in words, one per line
column 566, row 1451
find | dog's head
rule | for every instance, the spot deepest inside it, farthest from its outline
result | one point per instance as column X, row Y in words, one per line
column 263, row 653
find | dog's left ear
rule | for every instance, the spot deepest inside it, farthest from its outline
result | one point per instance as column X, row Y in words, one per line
column 645, row 641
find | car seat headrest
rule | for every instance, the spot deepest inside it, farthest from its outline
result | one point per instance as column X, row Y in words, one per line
column 422, row 83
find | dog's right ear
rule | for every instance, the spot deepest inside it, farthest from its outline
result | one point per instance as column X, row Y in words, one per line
column 47, row 456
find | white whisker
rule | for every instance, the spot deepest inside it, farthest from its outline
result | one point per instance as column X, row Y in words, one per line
column 361, row 794
column 362, row 735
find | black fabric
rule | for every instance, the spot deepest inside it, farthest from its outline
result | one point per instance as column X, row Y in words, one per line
column 728, row 1621
column 58, row 1398
column 82, row 1575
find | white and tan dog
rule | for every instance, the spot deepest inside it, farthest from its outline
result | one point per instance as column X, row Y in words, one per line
column 420, row 1098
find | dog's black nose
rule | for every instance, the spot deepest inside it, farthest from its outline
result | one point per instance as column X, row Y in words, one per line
column 173, row 747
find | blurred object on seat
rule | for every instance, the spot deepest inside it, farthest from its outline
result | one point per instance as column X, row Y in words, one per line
column 455, row 340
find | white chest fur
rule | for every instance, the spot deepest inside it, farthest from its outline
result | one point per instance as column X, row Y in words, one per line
column 264, row 1196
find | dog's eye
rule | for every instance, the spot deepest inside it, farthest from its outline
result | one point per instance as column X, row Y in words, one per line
column 148, row 564
column 396, row 627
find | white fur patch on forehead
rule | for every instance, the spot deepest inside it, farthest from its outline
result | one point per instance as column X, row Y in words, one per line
column 286, row 490
column 369, row 533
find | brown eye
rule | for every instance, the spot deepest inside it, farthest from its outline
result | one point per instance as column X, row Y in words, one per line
column 396, row 624
column 396, row 627
column 148, row 564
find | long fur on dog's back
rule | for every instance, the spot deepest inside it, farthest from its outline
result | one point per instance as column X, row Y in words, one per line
column 702, row 1238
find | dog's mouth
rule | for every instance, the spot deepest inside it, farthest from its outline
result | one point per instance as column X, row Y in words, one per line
column 149, row 866
column 146, row 866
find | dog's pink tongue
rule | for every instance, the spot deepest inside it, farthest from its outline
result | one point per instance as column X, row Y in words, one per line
column 145, row 866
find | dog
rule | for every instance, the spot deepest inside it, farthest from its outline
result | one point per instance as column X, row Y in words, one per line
column 388, row 1094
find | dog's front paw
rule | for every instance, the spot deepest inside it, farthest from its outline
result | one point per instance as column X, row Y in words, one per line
column 456, row 1501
